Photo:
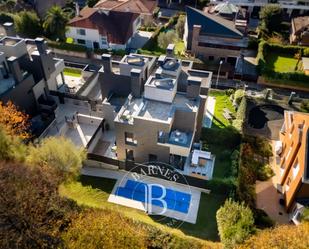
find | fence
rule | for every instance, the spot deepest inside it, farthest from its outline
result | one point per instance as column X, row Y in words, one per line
column 142, row 169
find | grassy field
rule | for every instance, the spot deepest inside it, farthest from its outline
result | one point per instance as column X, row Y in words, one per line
column 94, row 192
column 282, row 63
column 222, row 101
column 179, row 47
column 75, row 72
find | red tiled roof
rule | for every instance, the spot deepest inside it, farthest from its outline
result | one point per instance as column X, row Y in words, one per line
column 134, row 6
column 117, row 26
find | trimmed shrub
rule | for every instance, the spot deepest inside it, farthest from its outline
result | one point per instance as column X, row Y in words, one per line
column 6, row 17
column 238, row 95
column 67, row 46
column 305, row 105
column 235, row 223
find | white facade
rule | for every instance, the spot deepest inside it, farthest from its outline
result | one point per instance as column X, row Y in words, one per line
column 91, row 38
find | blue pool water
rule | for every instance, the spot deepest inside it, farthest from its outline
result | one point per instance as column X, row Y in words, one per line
column 174, row 200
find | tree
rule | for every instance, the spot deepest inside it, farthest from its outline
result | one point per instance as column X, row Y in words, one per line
column 180, row 26
column 13, row 121
column 92, row 3
column 166, row 38
column 59, row 153
column 235, row 223
column 284, row 236
column 32, row 214
column 271, row 18
column 11, row 148
column 55, row 23
column 28, row 24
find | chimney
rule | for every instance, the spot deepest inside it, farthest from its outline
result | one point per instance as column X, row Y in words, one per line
column 193, row 87
column 15, row 68
column 107, row 63
column 9, row 29
column 41, row 45
column 170, row 50
column 77, row 13
column 161, row 59
column 136, row 82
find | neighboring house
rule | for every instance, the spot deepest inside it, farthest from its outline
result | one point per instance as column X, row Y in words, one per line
column 143, row 7
column 27, row 72
column 300, row 31
column 305, row 65
column 254, row 6
column 97, row 28
column 294, row 162
column 212, row 37
column 154, row 109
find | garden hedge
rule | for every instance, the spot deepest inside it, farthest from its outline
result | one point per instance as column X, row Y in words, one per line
column 265, row 48
column 67, row 46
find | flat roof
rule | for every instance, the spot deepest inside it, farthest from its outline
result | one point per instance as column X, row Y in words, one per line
column 161, row 83
column 155, row 110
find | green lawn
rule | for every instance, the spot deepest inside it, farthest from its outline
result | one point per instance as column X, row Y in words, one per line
column 179, row 47
column 282, row 63
column 75, row 72
column 94, row 191
column 222, row 101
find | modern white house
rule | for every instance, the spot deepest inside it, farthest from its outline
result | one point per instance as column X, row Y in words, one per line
column 103, row 29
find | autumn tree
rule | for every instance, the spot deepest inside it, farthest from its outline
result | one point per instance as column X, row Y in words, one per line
column 14, row 121
column 11, row 148
column 284, row 236
column 59, row 153
column 32, row 214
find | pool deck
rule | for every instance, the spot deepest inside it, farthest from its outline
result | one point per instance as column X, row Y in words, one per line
column 123, row 176
column 190, row 217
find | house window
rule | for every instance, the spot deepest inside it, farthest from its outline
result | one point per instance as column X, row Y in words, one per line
column 81, row 41
column 152, row 158
column 81, row 32
column 129, row 154
column 129, row 138
column 104, row 41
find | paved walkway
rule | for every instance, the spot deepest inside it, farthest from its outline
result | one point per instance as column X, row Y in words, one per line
column 267, row 197
column 209, row 111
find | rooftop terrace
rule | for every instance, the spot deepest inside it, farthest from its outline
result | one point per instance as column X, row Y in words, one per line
column 154, row 110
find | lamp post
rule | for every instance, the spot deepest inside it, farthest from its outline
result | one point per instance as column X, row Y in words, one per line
column 221, row 62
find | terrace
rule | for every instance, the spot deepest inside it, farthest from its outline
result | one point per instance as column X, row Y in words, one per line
column 78, row 78
column 154, row 110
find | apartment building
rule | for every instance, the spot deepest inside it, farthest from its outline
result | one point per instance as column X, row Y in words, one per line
column 27, row 72
column 294, row 165
column 213, row 37
column 153, row 108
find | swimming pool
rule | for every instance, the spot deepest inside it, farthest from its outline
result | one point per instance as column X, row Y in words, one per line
column 175, row 200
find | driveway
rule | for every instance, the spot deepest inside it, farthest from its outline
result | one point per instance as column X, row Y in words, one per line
column 139, row 39
column 267, row 197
